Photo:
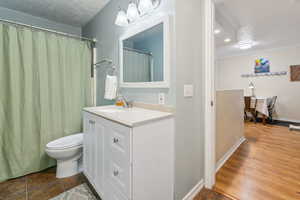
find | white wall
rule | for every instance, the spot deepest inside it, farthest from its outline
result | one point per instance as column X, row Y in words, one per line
column 25, row 18
column 229, row 72
column 229, row 121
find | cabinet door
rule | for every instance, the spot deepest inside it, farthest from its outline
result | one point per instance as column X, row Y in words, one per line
column 99, row 157
column 93, row 152
column 89, row 147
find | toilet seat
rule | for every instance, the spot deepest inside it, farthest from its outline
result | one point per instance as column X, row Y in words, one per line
column 66, row 142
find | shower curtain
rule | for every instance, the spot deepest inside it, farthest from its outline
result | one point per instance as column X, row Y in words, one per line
column 138, row 66
column 44, row 84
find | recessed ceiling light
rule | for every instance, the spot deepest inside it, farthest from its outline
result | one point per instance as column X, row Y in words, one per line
column 217, row 31
column 227, row 40
column 246, row 44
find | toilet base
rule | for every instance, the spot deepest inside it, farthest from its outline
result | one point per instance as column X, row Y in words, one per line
column 67, row 168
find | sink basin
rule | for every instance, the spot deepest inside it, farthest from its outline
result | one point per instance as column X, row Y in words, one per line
column 127, row 116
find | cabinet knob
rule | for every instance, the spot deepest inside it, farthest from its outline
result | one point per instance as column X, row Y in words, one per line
column 115, row 140
column 116, row 173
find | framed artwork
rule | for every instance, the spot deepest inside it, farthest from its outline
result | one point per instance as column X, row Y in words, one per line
column 262, row 65
column 295, row 73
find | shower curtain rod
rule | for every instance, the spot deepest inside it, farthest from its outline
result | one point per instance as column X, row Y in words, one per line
column 47, row 30
column 138, row 51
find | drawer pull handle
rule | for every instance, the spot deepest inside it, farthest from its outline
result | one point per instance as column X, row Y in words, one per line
column 91, row 121
column 116, row 173
column 115, row 140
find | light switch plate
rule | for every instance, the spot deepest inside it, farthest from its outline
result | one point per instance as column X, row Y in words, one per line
column 188, row 90
column 161, row 98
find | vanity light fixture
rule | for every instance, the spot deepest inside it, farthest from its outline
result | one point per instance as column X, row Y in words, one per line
column 135, row 11
column 121, row 19
column 146, row 6
column 132, row 12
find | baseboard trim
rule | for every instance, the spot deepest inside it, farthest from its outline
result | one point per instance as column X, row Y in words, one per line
column 222, row 161
column 287, row 120
column 196, row 189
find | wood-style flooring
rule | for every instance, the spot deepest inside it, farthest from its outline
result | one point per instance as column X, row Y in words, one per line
column 265, row 167
column 206, row 194
column 38, row 186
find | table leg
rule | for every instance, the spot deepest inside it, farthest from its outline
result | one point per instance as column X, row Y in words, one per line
column 264, row 119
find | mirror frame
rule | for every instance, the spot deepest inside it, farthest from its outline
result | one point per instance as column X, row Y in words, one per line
column 136, row 29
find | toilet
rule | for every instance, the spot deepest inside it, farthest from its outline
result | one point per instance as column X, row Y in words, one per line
column 68, row 153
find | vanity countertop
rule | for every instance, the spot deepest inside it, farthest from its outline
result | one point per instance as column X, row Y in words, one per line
column 130, row 117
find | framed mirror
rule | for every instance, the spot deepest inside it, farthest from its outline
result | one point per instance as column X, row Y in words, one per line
column 145, row 55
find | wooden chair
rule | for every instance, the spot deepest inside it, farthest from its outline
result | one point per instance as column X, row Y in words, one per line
column 271, row 107
column 248, row 108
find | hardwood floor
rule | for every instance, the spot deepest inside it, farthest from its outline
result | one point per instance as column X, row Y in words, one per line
column 206, row 194
column 265, row 167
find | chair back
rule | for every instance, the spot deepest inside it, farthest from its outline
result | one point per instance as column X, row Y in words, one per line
column 247, row 100
column 272, row 103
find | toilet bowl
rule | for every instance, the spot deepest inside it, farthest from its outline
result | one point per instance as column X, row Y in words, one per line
column 68, row 153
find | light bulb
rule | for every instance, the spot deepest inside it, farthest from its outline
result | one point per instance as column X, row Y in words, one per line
column 121, row 19
column 145, row 6
column 132, row 12
column 227, row 40
column 217, row 31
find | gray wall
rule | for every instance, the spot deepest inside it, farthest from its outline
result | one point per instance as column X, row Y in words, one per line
column 186, row 68
column 189, row 111
column 24, row 18
column 102, row 28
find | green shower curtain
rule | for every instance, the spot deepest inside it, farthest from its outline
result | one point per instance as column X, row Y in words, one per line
column 44, row 84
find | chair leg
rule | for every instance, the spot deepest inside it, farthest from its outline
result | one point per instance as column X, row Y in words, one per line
column 254, row 114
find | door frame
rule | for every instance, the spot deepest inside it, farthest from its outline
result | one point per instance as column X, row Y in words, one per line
column 210, row 112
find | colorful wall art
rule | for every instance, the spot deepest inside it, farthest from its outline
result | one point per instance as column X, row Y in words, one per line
column 262, row 65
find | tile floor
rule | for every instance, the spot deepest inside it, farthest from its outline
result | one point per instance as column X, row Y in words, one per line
column 80, row 192
column 44, row 186
column 39, row 186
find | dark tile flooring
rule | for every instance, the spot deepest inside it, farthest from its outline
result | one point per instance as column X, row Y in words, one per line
column 38, row 186
column 44, row 185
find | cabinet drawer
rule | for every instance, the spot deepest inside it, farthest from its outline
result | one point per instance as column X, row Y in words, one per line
column 119, row 157
column 119, row 177
column 119, row 144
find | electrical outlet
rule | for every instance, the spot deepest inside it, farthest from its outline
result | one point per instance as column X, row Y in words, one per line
column 161, row 98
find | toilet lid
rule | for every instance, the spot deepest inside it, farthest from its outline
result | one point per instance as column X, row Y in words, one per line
column 66, row 142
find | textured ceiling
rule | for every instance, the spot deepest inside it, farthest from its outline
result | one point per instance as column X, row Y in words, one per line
column 274, row 23
column 72, row 12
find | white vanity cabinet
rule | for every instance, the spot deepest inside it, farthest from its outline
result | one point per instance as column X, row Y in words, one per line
column 129, row 155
